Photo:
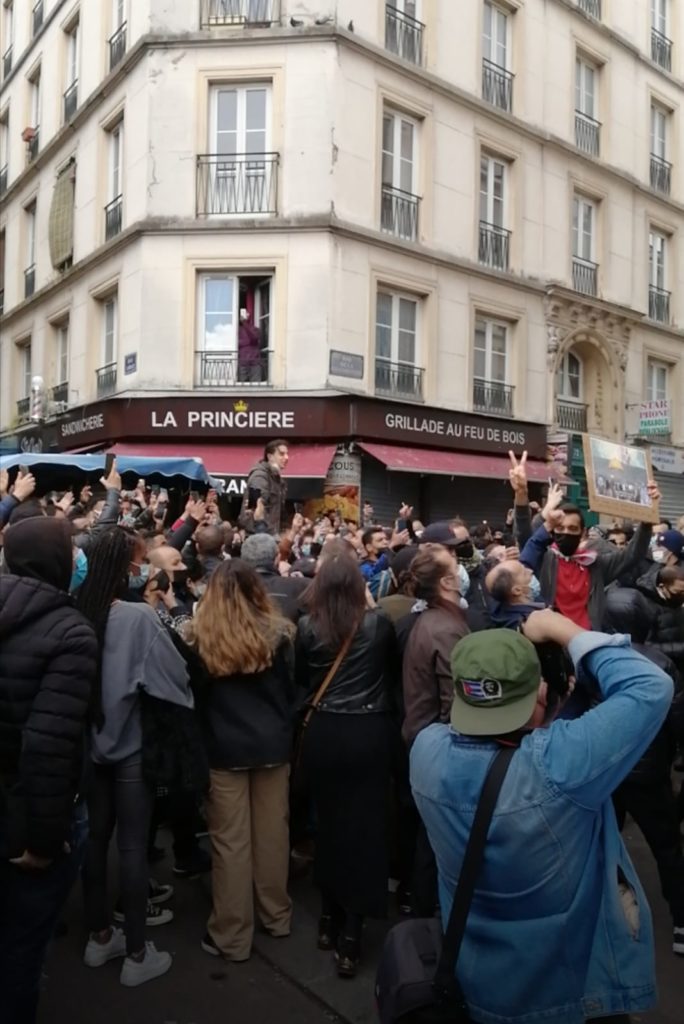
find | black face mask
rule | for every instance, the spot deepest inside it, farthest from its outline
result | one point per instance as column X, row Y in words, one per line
column 465, row 549
column 675, row 600
column 180, row 577
column 567, row 543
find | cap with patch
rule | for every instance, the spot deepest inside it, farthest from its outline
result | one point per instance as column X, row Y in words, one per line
column 496, row 679
column 673, row 540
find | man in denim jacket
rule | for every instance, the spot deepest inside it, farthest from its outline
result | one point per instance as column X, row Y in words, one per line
column 559, row 928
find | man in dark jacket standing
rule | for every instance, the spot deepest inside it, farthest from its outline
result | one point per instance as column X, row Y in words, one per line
column 261, row 552
column 266, row 482
column 48, row 662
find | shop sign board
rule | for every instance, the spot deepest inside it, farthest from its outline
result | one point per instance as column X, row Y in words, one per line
column 668, row 460
column 655, row 418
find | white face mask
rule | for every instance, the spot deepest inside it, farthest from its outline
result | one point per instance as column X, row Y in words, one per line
column 463, row 580
column 659, row 554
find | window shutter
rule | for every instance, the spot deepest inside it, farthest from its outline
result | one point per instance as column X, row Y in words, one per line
column 61, row 224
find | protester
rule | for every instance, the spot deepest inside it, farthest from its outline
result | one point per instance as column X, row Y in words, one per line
column 668, row 549
column 48, row 660
column 261, row 552
column 136, row 654
column 346, row 751
column 556, row 879
column 511, row 586
column 266, row 482
column 209, row 542
column 375, row 563
column 246, row 649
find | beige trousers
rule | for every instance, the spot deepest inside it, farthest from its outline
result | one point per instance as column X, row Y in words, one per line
column 248, row 819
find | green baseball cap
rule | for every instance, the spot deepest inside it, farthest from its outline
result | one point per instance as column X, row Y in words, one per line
column 496, row 678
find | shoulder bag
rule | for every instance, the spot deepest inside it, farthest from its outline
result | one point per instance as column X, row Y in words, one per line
column 416, row 981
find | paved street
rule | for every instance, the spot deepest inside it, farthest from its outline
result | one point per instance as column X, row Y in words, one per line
column 286, row 979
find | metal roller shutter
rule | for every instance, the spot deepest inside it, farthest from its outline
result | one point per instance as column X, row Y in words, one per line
column 472, row 500
column 672, row 501
column 387, row 491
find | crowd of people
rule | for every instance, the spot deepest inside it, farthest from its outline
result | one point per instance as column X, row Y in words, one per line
column 331, row 693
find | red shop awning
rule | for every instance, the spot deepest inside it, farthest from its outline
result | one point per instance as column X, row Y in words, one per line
column 307, row 461
column 430, row 460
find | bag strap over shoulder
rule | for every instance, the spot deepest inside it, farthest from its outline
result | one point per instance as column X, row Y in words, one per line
column 332, row 671
column 445, row 980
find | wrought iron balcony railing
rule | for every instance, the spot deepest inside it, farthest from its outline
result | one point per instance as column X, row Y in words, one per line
column 7, row 61
column 117, row 46
column 494, row 245
column 658, row 304
column 587, row 133
column 571, row 416
column 60, row 393
column 403, row 34
column 3, row 180
column 29, row 281
column 401, row 379
column 227, row 369
column 71, row 100
column 497, row 85
column 661, row 49
column 113, row 218
column 106, row 380
column 24, row 410
column 37, row 17
column 590, row 7
column 661, row 174
column 584, row 276
column 491, row 397
column 34, row 144
column 243, row 183
column 399, row 213
column 2, row 301
column 215, row 13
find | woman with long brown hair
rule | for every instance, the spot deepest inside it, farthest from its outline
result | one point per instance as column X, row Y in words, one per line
column 245, row 645
column 346, row 750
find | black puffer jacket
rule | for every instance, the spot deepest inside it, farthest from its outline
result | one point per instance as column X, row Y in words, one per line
column 666, row 621
column 48, row 661
column 367, row 676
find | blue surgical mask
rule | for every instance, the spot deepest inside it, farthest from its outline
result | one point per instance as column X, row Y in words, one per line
column 463, row 580
column 306, row 550
column 80, row 570
column 535, row 589
column 139, row 581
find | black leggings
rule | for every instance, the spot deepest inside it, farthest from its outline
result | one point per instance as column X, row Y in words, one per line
column 118, row 796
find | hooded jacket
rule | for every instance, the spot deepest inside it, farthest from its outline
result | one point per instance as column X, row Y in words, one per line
column 48, row 661
column 666, row 622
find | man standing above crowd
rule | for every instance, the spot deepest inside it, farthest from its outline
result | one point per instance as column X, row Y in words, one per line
column 266, row 482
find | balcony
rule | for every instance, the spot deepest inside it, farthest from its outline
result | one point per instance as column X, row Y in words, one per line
column 241, row 183
column 661, row 50
column 571, row 416
column 37, row 17
column 71, row 101
column 117, row 47
column 33, row 143
column 60, row 393
column 661, row 174
column 590, row 7
column 494, row 245
column 398, row 380
column 497, row 86
column 587, row 133
column 225, row 370
column 584, row 276
column 7, row 61
column 113, row 218
column 658, row 304
column 23, row 410
column 3, row 180
column 403, row 35
column 29, row 281
column 493, row 398
column 106, row 380
column 218, row 13
column 399, row 213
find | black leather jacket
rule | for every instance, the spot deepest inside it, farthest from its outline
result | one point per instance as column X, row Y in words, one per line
column 367, row 676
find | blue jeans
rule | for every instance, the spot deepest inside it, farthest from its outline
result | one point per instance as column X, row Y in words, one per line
column 30, row 903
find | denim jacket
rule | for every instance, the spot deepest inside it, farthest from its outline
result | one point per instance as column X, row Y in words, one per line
column 548, row 937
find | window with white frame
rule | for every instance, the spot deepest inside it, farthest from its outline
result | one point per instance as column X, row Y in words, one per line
column 110, row 328
column 221, row 297
column 659, row 118
column 586, row 76
column 118, row 14
column 239, row 174
column 659, row 16
column 490, row 361
column 657, row 254
column 25, row 371
column 35, row 99
column 495, row 48
column 4, row 141
column 62, row 353
column 657, row 374
column 583, row 228
column 569, row 382
column 396, row 328
column 72, row 55
column 240, row 119
column 115, row 175
column 8, row 36
column 399, row 135
column 493, row 190
column 30, row 236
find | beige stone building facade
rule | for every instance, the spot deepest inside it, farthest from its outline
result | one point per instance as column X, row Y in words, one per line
column 464, row 205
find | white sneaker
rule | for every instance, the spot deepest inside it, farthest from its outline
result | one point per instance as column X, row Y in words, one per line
column 154, row 916
column 99, row 953
column 153, row 965
column 678, row 941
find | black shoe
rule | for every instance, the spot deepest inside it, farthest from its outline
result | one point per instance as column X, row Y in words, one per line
column 327, row 933
column 347, row 956
column 198, row 863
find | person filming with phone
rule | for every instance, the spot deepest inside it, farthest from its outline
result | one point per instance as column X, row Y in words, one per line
column 263, row 505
